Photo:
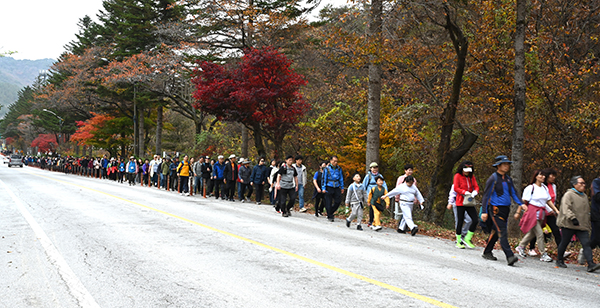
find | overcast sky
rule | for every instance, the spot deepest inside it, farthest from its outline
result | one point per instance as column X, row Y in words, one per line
column 39, row 29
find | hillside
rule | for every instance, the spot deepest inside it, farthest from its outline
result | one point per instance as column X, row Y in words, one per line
column 15, row 74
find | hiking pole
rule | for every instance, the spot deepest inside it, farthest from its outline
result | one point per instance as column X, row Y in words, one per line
column 178, row 183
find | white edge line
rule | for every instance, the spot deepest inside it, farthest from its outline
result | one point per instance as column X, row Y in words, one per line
column 76, row 288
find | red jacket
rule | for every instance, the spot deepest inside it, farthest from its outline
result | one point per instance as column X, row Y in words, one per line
column 462, row 185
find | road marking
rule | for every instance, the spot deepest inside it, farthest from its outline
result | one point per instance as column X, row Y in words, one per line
column 291, row 254
column 76, row 288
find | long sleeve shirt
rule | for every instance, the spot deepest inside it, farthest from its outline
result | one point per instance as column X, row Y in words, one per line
column 499, row 191
column 356, row 194
column 333, row 177
column 406, row 193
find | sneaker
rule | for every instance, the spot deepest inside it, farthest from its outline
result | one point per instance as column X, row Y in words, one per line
column 414, row 231
column 359, row 228
column 546, row 258
column 581, row 257
column 521, row 251
column 532, row 253
column 593, row 267
column 347, row 223
column 567, row 254
column 258, row 203
column 243, row 201
column 561, row 264
column 489, row 256
column 302, row 210
column 377, row 228
column 460, row 245
column 246, row 199
column 330, row 219
column 400, row 231
column 284, row 214
column 512, row 260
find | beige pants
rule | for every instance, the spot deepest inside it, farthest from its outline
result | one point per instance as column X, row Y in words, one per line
column 538, row 233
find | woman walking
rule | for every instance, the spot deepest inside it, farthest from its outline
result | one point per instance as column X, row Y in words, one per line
column 466, row 188
column 539, row 203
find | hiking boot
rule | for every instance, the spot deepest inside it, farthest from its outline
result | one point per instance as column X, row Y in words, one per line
column 546, row 258
column 593, row 267
column 581, row 257
column 347, row 223
column 359, row 228
column 512, row 260
column 467, row 240
column 489, row 256
column 459, row 242
column 414, row 231
column 561, row 264
column 521, row 251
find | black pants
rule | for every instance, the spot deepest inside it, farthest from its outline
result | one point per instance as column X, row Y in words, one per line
column 211, row 186
column 230, row 189
column 319, row 202
column 290, row 194
column 333, row 198
column 595, row 239
column 131, row 178
column 219, row 188
column 499, row 218
column 551, row 222
column 185, row 181
column 174, row 184
column 260, row 190
column 584, row 239
column 246, row 189
column 460, row 218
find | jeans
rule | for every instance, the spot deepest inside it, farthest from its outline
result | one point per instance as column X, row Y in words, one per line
column 499, row 218
column 300, row 196
column 198, row 185
column 333, row 198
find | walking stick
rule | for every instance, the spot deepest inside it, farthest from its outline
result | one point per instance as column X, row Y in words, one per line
column 178, row 184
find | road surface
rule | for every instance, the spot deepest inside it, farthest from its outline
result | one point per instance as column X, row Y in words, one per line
column 68, row 241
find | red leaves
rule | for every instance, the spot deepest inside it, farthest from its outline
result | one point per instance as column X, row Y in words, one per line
column 87, row 130
column 261, row 89
column 44, row 142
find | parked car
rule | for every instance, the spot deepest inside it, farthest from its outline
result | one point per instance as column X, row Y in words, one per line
column 15, row 160
column 5, row 159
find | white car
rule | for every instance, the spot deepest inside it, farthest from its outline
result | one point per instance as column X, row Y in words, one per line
column 15, row 160
column 4, row 159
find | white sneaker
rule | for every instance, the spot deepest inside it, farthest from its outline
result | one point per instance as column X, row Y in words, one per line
column 521, row 251
column 580, row 257
column 302, row 210
column 567, row 254
column 187, row 194
column 546, row 258
column 377, row 228
column 532, row 253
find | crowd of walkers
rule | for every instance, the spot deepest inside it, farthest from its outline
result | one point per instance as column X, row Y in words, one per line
column 540, row 216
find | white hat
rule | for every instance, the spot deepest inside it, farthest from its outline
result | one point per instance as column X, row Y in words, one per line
column 241, row 160
column 231, row 156
column 220, row 156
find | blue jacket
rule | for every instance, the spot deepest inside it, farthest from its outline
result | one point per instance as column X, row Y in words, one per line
column 595, row 206
column 122, row 167
column 493, row 185
column 259, row 174
column 104, row 163
column 333, row 177
column 219, row 170
column 369, row 182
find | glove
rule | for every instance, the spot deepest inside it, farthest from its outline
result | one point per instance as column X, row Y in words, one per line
column 468, row 195
column 575, row 221
column 473, row 194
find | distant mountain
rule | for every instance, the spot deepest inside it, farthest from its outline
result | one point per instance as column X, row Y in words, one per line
column 15, row 74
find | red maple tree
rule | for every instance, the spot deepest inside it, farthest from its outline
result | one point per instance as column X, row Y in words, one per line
column 261, row 92
column 44, row 142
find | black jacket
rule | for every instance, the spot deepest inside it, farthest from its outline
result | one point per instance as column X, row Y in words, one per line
column 229, row 174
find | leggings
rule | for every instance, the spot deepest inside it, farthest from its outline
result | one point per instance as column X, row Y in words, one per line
column 460, row 217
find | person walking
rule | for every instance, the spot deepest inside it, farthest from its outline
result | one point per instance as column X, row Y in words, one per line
column 408, row 194
column 356, row 198
column 452, row 206
column 594, row 219
column 132, row 170
column 497, row 195
column 258, row 178
column 574, row 219
column 121, row 171
column 183, row 172
column 245, row 175
column 538, row 204
column 466, row 188
column 550, row 174
column 301, row 169
column 145, row 172
column 333, row 178
column 218, row 174
column 173, row 179
column 319, row 195
column 165, row 170
column 231, row 177
column 370, row 182
column 287, row 186
column 272, row 180
column 207, row 176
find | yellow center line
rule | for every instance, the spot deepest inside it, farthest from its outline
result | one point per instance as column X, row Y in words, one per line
column 287, row 253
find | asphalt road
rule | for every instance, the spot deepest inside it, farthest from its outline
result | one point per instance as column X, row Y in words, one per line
column 68, row 241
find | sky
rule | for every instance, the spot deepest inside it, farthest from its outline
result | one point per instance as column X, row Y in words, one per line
column 39, row 29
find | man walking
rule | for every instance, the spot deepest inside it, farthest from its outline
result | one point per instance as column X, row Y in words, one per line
column 496, row 202
column 259, row 178
column 287, row 186
column 218, row 176
column 231, row 177
column 301, row 170
column 333, row 177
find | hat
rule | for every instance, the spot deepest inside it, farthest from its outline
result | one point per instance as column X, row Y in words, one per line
column 231, row 156
column 500, row 160
column 220, row 156
column 373, row 165
column 468, row 169
column 241, row 160
column 131, row 157
column 245, row 162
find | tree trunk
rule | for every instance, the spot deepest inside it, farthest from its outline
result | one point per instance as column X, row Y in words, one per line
column 374, row 99
column 258, row 141
column 244, row 141
column 159, row 129
column 141, row 133
column 441, row 179
column 520, row 104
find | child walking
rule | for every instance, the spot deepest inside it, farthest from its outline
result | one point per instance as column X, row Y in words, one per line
column 356, row 197
column 376, row 201
column 408, row 193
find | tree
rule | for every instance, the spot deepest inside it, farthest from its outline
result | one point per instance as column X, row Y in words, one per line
column 262, row 92
column 375, row 72
column 45, row 143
